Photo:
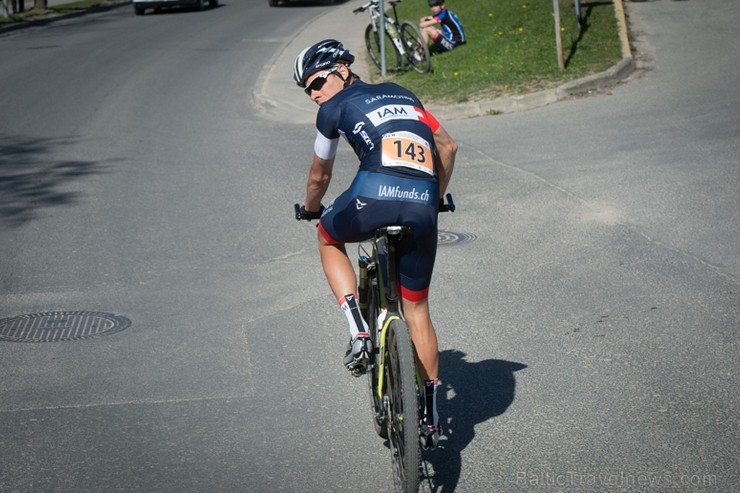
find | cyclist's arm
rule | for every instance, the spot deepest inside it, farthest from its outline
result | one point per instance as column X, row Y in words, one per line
column 427, row 22
column 319, row 176
column 446, row 151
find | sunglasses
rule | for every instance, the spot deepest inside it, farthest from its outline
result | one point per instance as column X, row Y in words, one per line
column 318, row 82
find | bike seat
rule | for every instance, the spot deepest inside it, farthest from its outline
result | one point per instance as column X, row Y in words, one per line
column 393, row 231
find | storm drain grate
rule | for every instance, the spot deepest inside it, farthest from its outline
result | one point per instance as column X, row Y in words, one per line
column 60, row 326
column 452, row 238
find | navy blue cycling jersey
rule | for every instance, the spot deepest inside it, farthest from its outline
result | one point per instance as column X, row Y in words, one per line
column 392, row 135
column 385, row 124
column 451, row 25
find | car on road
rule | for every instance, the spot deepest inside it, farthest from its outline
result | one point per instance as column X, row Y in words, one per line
column 140, row 6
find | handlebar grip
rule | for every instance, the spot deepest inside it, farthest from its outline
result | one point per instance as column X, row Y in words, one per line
column 449, row 206
column 450, row 203
column 303, row 215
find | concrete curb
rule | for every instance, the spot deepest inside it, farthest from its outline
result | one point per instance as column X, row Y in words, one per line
column 53, row 16
column 275, row 95
column 524, row 102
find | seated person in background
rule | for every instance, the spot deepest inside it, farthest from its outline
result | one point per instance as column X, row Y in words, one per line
column 451, row 33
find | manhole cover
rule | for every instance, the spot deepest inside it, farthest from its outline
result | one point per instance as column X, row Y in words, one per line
column 452, row 238
column 60, row 326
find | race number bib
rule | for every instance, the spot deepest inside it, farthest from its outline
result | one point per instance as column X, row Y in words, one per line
column 407, row 150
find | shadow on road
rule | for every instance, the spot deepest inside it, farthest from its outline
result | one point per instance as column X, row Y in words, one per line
column 476, row 392
column 32, row 179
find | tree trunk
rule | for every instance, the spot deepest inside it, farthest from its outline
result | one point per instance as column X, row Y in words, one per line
column 39, row 4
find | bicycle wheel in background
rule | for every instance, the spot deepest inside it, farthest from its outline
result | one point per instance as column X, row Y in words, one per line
column 392, row 57
column 417, row 51
column 402, row 413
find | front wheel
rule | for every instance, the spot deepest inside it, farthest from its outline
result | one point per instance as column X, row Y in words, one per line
column 417, row 51
column 402, row 414
column 392, row 57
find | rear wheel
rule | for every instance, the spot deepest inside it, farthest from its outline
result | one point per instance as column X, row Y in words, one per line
column 392, row 57
column 417, row 51
column 402, row 407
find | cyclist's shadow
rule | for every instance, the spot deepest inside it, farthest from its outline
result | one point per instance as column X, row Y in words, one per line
column 480, row 391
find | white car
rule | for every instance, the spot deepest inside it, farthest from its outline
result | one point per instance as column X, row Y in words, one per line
column 141, row 5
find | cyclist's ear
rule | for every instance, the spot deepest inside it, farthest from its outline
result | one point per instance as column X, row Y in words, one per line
column 343, row 70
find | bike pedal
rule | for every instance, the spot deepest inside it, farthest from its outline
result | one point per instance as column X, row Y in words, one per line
column 429, row 441
column 429, row 436
column 360, row 365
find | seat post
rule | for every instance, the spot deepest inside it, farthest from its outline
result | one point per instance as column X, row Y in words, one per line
column 393, row 235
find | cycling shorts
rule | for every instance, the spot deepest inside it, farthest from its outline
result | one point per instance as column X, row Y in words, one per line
column 441, row 43
column 378, row 199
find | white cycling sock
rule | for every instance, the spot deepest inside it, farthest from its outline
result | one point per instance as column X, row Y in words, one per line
column 351, row 310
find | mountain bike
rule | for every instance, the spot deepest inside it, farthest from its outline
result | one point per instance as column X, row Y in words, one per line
column 396, row 389
column 404, row 44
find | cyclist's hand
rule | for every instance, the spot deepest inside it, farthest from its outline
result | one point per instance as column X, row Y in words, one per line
column 446, row 207
column 307, row 215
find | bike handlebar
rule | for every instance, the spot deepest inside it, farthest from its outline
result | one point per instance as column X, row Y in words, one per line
column 302, row 214
column 449, row 206
column 375, row 3
column 364, row 7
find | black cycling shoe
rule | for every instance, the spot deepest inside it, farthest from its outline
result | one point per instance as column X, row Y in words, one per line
column 428, row 435
column 358, row 356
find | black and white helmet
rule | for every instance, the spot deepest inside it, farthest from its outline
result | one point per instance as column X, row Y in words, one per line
column 322, row 55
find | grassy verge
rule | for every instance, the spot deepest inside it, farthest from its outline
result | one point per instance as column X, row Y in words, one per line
column 33, row 14
column 511, row 48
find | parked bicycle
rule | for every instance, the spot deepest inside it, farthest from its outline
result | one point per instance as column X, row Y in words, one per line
column 396, row 389
column 404, row 44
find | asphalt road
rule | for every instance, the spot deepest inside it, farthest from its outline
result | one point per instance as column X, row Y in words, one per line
column 588, row 312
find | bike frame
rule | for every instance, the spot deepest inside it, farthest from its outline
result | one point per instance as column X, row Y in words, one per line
column 390, row 22
column 396, row 408
column 386, row 275
column 385, row 266
column 392, row 41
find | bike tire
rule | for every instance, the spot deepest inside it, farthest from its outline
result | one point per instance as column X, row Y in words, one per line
column 402, row 407
column 417, row 50
column 372, row 42
column 373, row 375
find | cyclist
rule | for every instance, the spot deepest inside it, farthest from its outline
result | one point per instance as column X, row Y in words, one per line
column 451, row 34
column 406, row 160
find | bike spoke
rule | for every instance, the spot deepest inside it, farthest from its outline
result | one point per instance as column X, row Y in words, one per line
column 417, row 51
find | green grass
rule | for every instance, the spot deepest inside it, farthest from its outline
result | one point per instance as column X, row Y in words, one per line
column 511, row 48
column 58, row 9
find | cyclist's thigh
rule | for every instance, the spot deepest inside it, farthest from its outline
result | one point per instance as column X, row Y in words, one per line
column 418, row 252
